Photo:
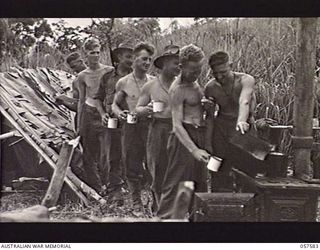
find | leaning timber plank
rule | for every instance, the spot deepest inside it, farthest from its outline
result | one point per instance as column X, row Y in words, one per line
column 58, row 176
column 42, row 153
column 48, row 151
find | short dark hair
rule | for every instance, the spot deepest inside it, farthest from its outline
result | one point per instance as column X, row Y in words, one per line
column 91, row 43
column 217, row 58
column 143, row 46
column 72, row 57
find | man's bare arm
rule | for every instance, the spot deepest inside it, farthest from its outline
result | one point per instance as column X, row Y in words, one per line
column 70, row 102
column 75, row 91
column 119, row 97
column 82, row 99
column 101, row 94
column 244, row 103
column 142, row 108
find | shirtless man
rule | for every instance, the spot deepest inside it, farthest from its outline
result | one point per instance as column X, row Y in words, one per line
column 158, row 90
column 76, row 64
column 128, row 89
column 234, row 93
column 91, row 130
column 187, row 158
column 122, row 58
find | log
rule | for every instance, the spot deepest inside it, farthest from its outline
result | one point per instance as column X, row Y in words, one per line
column 58, row 176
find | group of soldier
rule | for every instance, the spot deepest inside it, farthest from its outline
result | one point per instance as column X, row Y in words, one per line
column 164, row 147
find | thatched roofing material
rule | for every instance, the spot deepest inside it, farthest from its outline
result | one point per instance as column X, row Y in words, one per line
column 30, row 95
column 27, row 102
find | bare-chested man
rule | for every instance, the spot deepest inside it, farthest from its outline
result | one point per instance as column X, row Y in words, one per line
column 128, row 89
column 122, row 58
column 91, row 130
column 186, row 143
column 157, row 90
column 234, row 93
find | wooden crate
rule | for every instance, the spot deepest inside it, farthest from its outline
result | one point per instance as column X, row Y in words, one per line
column 233, row 207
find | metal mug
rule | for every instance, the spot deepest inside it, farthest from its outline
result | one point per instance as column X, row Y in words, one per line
column 214, row 163
column 112, row 123
column 132, row 118
column 157, row 106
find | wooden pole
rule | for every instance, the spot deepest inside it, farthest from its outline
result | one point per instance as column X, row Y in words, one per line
column 304, row 97
column 58, row 176
column 9, row 134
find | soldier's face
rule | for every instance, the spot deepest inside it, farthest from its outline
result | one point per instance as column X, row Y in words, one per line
column 191, row 70
column 171, row 66
column 126, row 58
column 93, row 55
column 77, row 65
column 143, row 60
column 221, row 71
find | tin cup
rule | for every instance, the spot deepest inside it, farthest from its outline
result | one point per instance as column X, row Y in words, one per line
column 112, row 123
column 158, row 106
column 214, row 163
column 132, row 118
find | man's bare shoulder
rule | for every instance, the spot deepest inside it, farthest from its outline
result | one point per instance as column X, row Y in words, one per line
column 210, row 84
column 107, row 69
column 176, row 85
column 149, row 84
column 246, row 79
column 82, row 74
column 150, row 77
column 123, row 80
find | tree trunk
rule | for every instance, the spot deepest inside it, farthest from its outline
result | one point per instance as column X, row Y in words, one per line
column 304, row 97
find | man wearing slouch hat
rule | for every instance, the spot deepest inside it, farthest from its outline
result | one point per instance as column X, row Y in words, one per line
column 156, row 91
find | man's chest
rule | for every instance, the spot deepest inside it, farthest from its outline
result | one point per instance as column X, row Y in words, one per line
column 224, row 96
column 132, row 90
column 159, row 93
column 93, row 79
column 192, row 96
